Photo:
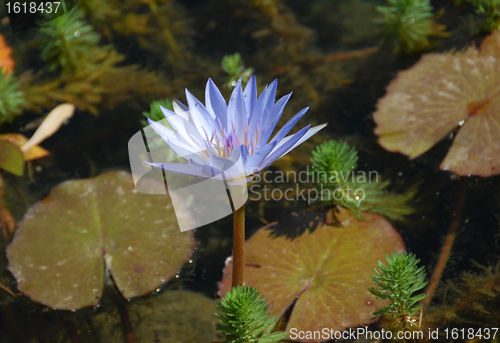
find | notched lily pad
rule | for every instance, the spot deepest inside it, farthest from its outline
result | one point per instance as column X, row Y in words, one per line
column 11, row 158
column 440, row 93
column 326, row 273
column 63, row 243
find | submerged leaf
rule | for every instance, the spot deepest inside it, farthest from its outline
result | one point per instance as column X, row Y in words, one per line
column 11, row 158
column 326, row 273
column 50, row 125
column 440, row 93
column 19, row 140
column 62, row 245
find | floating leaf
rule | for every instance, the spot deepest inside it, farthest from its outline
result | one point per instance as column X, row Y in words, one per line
column 63, row 243
column 19, row 140
column 327, row 272
column 11, row 158
column 439, row 93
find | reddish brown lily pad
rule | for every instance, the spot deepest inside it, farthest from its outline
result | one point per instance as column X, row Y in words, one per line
column 440, row 93
column 326, row 271
column 64, row 242
column 11, row 158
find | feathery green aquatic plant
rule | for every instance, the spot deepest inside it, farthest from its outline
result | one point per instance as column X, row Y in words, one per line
column 408, row 24
column 69, row 41
column 397, row 282
column 246, row 319
column 334, row 156
column 155, row 112
column 334, row 164
column 491, row 9
column 233, row 65
column 11, row 98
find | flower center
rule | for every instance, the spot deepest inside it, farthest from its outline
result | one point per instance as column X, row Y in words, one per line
column 223, row 143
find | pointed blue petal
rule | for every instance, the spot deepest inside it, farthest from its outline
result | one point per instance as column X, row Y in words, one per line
column 268, row 106
column 280, row 150
column 178, row 106
column 236, row 112
column 201, row 117
column 250, row 95
column 253, row 164
column 162, row 130
column 268, row 127
column 258, row 111
column 289, row 125
column 215, row 102
column 312, row 131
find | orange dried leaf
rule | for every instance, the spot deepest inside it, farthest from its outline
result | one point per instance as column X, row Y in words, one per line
column 440, row 93
column 19, row 140
column 6, row 62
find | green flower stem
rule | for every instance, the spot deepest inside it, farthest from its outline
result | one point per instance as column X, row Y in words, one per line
column 238, row 247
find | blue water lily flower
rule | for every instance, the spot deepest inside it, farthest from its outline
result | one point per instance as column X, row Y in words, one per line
column 230, row 141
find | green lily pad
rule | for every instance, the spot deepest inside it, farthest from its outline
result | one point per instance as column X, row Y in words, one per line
column 64, row 242
column 326, row 271
column 11, row 158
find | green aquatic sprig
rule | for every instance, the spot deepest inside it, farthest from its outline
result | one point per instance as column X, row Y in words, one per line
column 397, row 282
column 245, row 317
column 334, row 156
column 155, row 112
column 11, row 98
column 233, row 65
column 408, row 24
column 333, row 170
column 491, row 9
column 68, row 42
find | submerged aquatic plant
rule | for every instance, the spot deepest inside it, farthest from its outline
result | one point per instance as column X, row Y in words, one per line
column 155, row 112
column 245, row 317
column 408, row 24
column 233, row 65
column 334, row 163
column 397, row 282
column 11, row 98
column 491, row 9
column 471, row 300
column 69, row 42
